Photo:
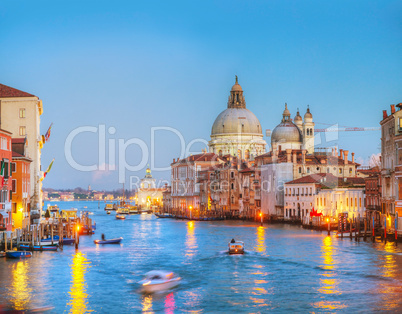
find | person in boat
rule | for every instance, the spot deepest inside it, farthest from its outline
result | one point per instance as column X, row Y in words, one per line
column 103, row 237
column 233, row 241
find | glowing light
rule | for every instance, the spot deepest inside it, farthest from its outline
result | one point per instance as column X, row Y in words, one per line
column 191, row 207
column 78, row 227
column 20, row 292
column 146, row 283
column 260, row 214
column 78, row 296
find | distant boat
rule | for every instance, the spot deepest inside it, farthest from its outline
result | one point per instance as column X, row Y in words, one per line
column 164, row 215
column 236, row 247
column 25, row 247
column 109, row 207
column 111, row 241
column 18, row 254
column 120, row 217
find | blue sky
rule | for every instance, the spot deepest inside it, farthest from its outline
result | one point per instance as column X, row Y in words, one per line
column 133, row 65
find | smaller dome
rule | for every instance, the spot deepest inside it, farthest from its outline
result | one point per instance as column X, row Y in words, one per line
column 286, row 132
column 308, row 114
column 298, row 117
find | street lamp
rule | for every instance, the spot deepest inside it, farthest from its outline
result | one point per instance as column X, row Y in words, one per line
column 190, row 208
column 261, row 217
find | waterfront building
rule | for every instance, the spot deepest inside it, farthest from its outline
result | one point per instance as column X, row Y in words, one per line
column 326, row 194
column 167, row 199
column 293, row 156
column 20, row 114
column 184, row 180
column 230, row 188
column 148, row 194
column 21, row 185
column 5, row 181
column 98, row 196
column 237, row 131
column 373, row 188
column 391, row 161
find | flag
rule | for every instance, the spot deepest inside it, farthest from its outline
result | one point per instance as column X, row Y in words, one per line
column 47, row 134
column 47, row 170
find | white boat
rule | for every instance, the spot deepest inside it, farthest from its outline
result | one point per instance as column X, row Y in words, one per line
column 159, row 280
column 236, row 247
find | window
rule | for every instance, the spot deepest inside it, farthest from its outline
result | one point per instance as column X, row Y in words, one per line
column 340, row 170
column 308, row 170
column 22, row 131
column 328, row 170
column 299, row 169
column 360, row 202
column 232, row 174
column 22, row 112
column 324, row 202
column 6, row 166
column 355, row 201
column 13, row 167
column 347, row 201
column 14, row 186
column 232, row 185
column 350, row 170
column 351, row 202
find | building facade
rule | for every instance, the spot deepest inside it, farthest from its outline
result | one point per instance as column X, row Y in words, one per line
column 391, row 161
column 237, row 131
column 21, row 187
column 185, row 180
column 5, row 181
column 20, row 114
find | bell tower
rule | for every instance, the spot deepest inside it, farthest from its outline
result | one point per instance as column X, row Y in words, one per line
column 308, row 132
column 236, row 98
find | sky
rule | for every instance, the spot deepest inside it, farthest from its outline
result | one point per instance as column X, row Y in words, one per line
column 128, row 67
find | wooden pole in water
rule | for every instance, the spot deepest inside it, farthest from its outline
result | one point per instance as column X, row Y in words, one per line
column 350, row 227
column 365, row 228
column 5, row 241
column 396, row 228
column 373, row 229
column 385, row 229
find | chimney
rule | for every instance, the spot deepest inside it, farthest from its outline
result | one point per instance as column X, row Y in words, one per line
column 174, row 160
column 384, row 114
column 335, row 151
column 345, row 153
column 294, row 158
column 353, row 157
column 303, row 156
column 392, row 109
column 288, row 155
column 341, row 153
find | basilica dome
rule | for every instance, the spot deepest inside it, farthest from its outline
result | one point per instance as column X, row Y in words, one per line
column 236, row 130
column 236, row 120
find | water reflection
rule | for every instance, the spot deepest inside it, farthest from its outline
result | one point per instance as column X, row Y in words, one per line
column 169, row 304
column 328, row 280
column 388, row 290
column 20, row 292
column 260, row 247
column 147, row 303
column 78, row 288
column 191, row 241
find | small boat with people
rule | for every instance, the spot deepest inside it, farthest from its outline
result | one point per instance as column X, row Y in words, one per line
column 41, row 248
column 18, row 254
column 159, row 280
column 236, row 247
column 110, row 241
column 108, row 212
column 121, row 217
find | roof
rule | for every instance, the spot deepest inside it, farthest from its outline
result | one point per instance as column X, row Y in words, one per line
column 328, row 180
column 199, row 158
column 8, row 92
column 16, row 155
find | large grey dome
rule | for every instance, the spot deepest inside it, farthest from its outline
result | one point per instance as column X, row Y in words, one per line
column 286, row 132
column 236, row 120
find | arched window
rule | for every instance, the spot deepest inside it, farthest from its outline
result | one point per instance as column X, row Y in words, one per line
column 350, row 170
column 247, row 154
column 308, row 131
column 327, row 169
column 308, row 169
column 300, row 170
column 232, row 185
column 220, row 153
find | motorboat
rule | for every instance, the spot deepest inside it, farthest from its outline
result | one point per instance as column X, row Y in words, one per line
column 25, row 247
column 122, row 217
column 110, row 241
column 123, row 210
column 18, row 254
column 158, row 280
column 56, row 239
column 109, row 207
column 236, row 247
column 133, row 210
column 164, row 215
column 108, row 212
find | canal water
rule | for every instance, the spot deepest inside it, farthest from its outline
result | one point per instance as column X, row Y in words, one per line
column 285, row 269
